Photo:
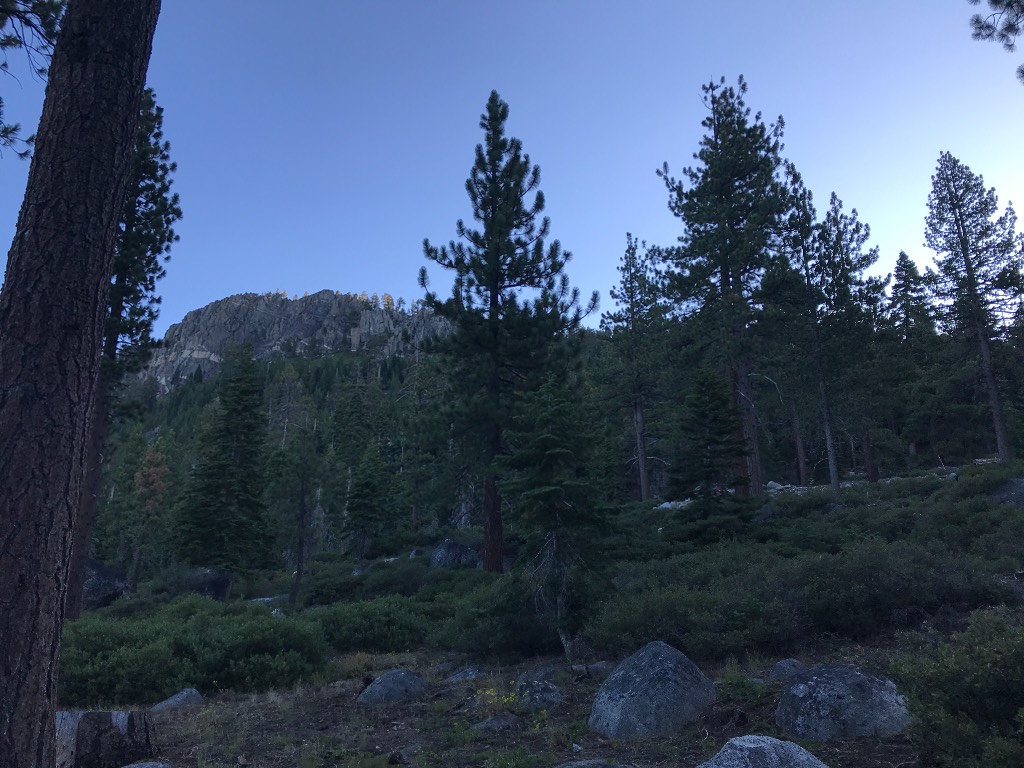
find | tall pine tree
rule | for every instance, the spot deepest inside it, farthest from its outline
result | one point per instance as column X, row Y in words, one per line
column 221, row 520
column 634, row 326
column 979, row 269
column 510, row 308
column 732, row 204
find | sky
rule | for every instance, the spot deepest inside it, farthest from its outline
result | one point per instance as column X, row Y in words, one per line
column 318, row 143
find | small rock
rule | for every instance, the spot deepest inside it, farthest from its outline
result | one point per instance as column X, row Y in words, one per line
column 503, row 721
column 189, row 697
column 599, row 670
column 535, row 695
column 453, row 554
column 395, row 686
column 466, row 675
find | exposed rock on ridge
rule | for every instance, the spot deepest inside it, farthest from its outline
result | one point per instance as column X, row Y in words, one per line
column 327, row 321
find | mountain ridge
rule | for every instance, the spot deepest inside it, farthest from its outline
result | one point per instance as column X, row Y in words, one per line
column 325, row 322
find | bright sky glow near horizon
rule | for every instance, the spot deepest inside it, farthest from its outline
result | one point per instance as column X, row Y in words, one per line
column 319, row 143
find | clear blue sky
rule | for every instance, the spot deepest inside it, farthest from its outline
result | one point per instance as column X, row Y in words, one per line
column 319, row 142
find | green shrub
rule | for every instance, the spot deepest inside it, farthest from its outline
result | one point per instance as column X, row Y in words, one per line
column 498, row 618
column 385, row 624
column 873, row 586
column 967, row 695
column 190, row 642
column 704, row 624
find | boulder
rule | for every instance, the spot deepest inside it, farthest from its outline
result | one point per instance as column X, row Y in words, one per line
column 454, row 554
column 189, row 697
column 599, row 670
column 1010, row 492
column 786, row 671
column 392, row 687
column 762, row 752
column 841, row 701
column 103, row 739
column 595, row 763
column 150, row 764
column 212, row 583
column 535, row 695
column 503, row 721
column 103, row 585
column 466, row 675
column 652, row 693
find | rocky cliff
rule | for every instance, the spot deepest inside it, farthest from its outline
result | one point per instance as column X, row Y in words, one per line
column 321, row 323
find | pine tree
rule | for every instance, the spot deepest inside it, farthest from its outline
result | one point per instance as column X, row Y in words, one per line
column 979, row 269
column 221, row 522
column 511, row 304
column 294, row 470
column 51, row 328
column 634, row 327
column 911, row 347
column 732, row 205
column 711, row 429
column 910, row 309
column 145, row 235
column 548, row 487
column 1002, row 25
column 368, row 502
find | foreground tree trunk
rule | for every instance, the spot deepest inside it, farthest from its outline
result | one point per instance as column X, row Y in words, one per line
column 51, row 328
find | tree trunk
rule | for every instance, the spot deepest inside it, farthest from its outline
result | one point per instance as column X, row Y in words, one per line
column 51, row 317
column 830, row 443
column 801, row 451
column 300, row 548
column 870, row 464
column 136, row 570
column 641, row 448
column 494, row 539
column 745, row 395
column 995, row 402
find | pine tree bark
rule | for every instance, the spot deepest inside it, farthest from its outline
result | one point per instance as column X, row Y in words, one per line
column 51, row 328
column 640, row 432
column 494, row 537
column 801, row 451
column 995, row 402
column 830, row 443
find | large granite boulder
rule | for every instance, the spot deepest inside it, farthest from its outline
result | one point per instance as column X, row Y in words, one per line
column 392, row 687
column 652, row 693
column 762, row 752
column 102, row 585
column 841, row 701
column 454, row 554
column 103, row 739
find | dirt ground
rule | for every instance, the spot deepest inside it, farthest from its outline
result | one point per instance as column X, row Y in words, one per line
column 324, row 727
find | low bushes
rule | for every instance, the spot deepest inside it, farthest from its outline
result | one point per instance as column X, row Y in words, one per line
column 967, row 695
column 190, row 642
column 386, row 624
